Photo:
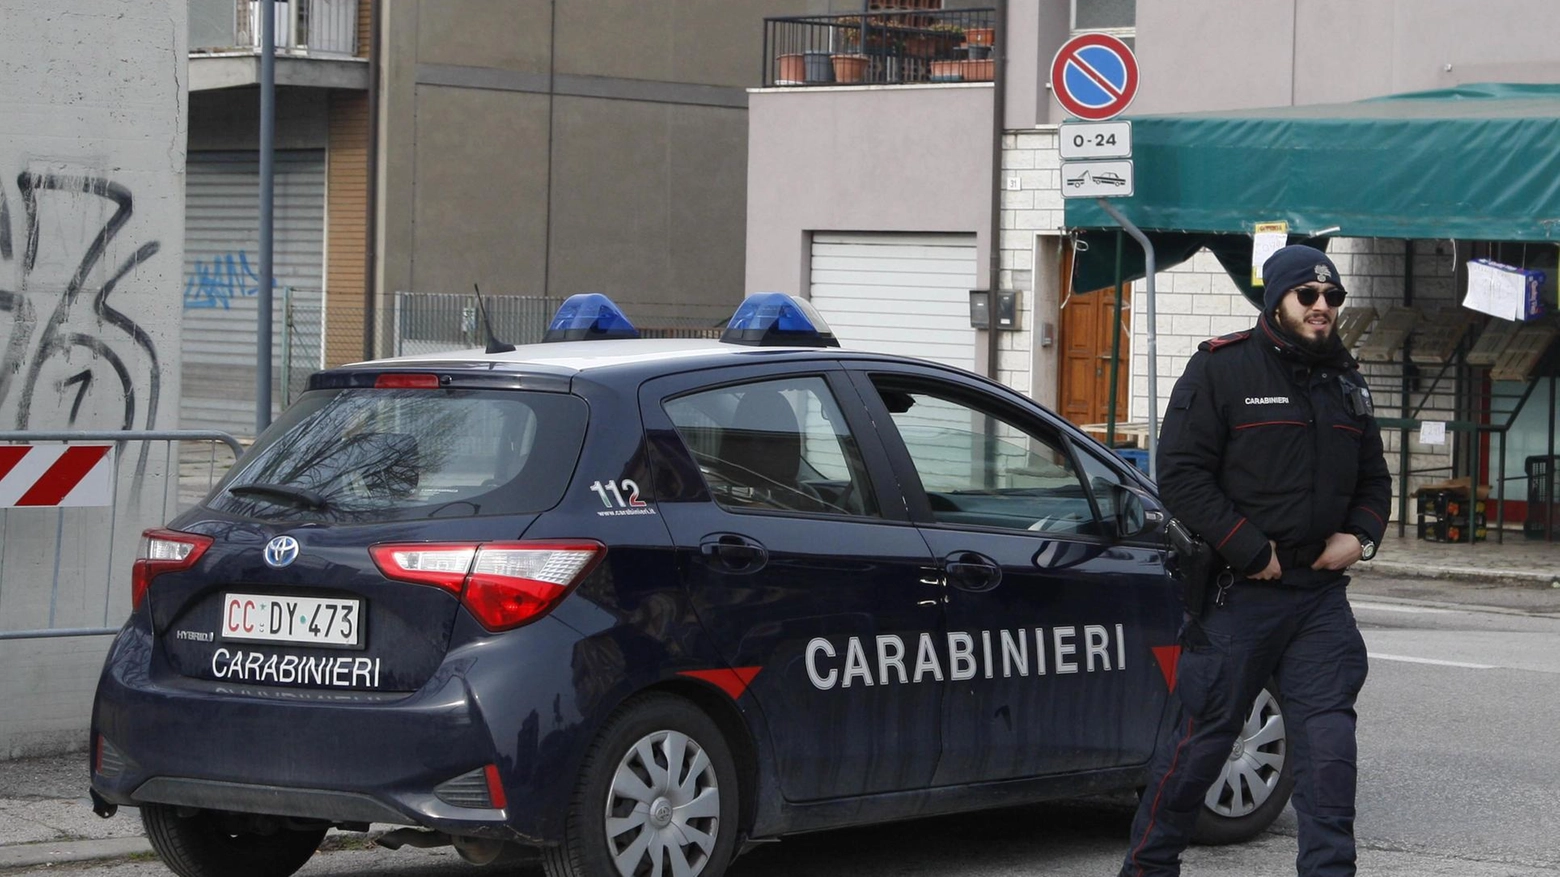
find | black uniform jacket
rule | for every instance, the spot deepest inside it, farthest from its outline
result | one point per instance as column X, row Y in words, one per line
column 1263, row 442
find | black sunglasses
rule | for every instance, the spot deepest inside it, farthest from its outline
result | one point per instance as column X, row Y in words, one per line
column 1308, row 294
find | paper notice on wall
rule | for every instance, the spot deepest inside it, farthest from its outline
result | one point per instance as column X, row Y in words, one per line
column 1494, row 290
column 1432, row 432
column 1267, row 239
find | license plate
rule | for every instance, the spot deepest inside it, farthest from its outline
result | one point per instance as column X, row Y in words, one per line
column 312, row 620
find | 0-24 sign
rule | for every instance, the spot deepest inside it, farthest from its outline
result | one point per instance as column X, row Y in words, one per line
column 1085, row 140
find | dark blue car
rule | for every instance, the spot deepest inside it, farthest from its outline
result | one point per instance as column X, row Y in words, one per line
column 628, row 605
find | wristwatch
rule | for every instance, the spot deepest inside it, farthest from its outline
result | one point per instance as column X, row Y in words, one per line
column 1367, row 547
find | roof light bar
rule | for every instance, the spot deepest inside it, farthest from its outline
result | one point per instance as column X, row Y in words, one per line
column 774, row 319
column 589, row 316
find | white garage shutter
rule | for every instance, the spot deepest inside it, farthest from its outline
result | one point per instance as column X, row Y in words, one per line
column 906, row 294
column 221, row 278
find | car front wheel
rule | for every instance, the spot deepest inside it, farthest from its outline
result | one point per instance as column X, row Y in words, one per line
column 1256, row 779
column 657, row 796
column 209, row 844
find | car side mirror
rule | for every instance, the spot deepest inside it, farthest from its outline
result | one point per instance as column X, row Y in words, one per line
column 1132, row 515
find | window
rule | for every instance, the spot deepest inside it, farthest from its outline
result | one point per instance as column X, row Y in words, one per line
column 1115, row 17
column 983, row 470
column 776, row 445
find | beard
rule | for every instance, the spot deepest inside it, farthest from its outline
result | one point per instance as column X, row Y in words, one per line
column 1300, row 332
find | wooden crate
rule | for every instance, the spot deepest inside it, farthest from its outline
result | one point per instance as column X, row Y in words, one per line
column 1492, row 341
column 1436, row 337
column 1354, row 322
column 1522, row 355
column 1385, row 343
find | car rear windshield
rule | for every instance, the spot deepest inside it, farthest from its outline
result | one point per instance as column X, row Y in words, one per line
column 364, row 455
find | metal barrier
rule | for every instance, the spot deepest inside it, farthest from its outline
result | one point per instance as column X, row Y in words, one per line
column 156, row 491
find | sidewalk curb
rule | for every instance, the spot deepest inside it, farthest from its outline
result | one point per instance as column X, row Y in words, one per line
column 1471, row 574
column 56, row 852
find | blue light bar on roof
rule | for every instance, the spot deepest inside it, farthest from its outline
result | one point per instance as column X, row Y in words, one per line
column 774, row 319
column 589, row 316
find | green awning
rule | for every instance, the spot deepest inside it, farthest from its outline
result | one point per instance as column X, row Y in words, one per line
column 1478, row 162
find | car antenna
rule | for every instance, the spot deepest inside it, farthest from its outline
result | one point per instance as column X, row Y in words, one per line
column 493, row 344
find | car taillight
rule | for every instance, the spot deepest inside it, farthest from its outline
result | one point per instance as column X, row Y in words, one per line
column 163, row 551
column 406, row 382
column 503, row 584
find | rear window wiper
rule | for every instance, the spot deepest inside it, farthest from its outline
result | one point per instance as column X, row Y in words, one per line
column 298, row 496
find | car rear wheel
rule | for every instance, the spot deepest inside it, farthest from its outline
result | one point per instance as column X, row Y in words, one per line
column 1256, row 780
column 207, row 844
column 657, row 796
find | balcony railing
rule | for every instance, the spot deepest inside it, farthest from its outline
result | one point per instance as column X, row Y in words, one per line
column 325, row 28
column 885, row 46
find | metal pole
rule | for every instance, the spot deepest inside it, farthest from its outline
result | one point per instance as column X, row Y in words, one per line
column 1153, row 332
column 267, row 199
column 1115, row 352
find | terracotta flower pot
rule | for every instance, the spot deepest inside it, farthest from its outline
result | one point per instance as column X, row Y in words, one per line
column 947, row 71
column 978, row 71
column 790, row 69
column 849, row 68
column 980, row 36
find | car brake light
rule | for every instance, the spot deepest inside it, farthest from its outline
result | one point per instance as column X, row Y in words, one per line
column 502, row 584
column 407, row 382
column 163, row 551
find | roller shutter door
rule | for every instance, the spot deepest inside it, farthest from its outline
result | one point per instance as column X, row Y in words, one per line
column 221, row 279
column 906, row 294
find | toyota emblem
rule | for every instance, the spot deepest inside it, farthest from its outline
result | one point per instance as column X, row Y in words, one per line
column 281, row 551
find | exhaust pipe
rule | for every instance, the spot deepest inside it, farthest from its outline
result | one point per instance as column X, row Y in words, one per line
column 413, row 837
column 478, row 850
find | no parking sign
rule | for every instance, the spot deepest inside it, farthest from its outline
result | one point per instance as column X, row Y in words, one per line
column 1094, row 76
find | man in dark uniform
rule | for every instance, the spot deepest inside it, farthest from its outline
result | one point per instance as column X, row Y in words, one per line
column 1271, row 453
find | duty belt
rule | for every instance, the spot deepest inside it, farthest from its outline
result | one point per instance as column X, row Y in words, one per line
column 1300, row 556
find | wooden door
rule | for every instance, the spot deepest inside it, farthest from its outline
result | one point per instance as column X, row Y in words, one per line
column 1085, row 340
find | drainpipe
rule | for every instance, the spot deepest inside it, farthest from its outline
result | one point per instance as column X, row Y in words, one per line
column 998, row 109
column 371, row 223
column 267, row 200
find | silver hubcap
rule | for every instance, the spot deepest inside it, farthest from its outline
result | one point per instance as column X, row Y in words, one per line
column 663, row 810
column 1256, row 761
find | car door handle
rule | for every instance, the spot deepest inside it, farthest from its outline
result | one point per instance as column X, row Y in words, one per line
column 969, row 571
column 733, row 552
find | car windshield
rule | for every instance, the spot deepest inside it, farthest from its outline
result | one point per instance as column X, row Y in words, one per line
column 371, row 455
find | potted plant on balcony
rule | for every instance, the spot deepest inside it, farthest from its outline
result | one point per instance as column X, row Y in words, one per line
column 849, row 64
column 945, row 35
column 790, row 69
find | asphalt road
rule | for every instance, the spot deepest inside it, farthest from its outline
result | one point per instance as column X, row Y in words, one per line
column 1459, row 725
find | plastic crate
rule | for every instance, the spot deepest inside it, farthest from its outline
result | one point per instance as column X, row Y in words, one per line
column 1136, row 456
column 1447, row 503
column 1543, row 498
column 1447, row 530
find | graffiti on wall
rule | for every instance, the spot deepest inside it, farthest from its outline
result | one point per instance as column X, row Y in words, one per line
column 72, row 359
column 216, row 283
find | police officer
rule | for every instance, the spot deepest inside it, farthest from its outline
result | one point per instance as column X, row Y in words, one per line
column 1271, row 453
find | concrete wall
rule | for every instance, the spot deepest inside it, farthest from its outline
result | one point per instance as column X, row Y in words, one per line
column 600, row 147
column 895, row 158
column 92, row 144
column 1221, row 54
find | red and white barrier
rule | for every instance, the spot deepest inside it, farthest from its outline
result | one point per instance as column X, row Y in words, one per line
column 56, row 475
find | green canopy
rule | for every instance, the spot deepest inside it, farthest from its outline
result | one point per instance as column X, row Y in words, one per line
column 1478, row 162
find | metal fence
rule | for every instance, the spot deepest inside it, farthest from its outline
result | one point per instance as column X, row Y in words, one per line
column 65, row 571
column 302, row 320
column 303, row 27
column 886, row 46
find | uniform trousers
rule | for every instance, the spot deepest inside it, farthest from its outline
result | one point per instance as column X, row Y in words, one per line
column 1308, row 640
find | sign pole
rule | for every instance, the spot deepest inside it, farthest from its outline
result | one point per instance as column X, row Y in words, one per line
column 1115, row 352
column 1153, row 332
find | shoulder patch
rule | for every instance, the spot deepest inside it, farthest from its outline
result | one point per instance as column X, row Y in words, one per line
column 1223, row 341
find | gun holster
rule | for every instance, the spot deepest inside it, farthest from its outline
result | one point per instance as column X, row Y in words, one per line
column 1197, row 567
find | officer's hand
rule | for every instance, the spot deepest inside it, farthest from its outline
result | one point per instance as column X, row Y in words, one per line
column 1342, row 550
column 1273, row 571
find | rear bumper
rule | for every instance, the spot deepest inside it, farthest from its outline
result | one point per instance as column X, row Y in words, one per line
column 338, row 756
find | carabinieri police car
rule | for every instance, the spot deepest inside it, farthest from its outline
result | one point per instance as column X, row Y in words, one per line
column 631, row 604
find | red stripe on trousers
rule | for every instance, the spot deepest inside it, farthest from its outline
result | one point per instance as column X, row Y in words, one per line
column 63, row 476
column 1153, row 810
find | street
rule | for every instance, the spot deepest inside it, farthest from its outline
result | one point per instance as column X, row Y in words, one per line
column 1457, row 774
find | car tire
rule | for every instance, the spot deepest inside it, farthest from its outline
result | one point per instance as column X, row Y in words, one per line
column 654, row 807
column 199, row 845
column 1256, row 781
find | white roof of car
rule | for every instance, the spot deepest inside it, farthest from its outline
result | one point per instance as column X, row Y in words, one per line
column 585, row 355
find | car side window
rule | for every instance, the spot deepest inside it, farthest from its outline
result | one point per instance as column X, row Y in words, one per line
column 982, row 469
column 777, row 445
column 1103, row 480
